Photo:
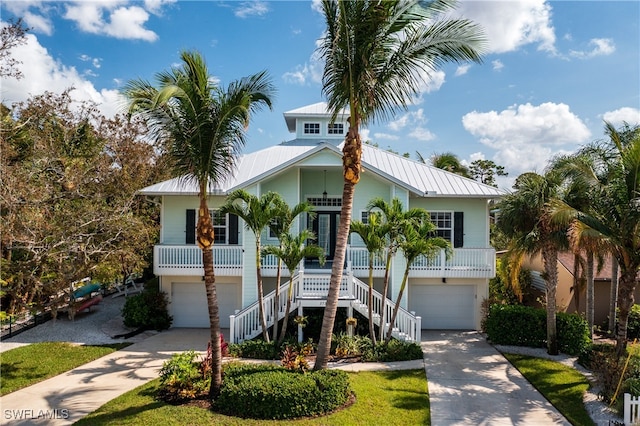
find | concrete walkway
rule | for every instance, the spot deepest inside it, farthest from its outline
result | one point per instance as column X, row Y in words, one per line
column 470, row 383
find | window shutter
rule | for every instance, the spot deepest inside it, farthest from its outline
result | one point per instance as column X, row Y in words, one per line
column 458, row 229
column 233, row 229
column 190, row 232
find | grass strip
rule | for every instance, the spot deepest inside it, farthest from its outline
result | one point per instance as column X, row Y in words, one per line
column 382, row 397
column 27, row 365
column 562, row 385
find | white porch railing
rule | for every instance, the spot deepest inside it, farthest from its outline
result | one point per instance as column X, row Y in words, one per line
column 359, row 258
column 464, row 263
column 187, row 260
column 270, row 267
column 308, row 290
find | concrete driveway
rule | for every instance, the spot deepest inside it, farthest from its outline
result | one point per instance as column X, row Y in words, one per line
column 471, row 383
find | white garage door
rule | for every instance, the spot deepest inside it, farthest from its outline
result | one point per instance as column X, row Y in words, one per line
column 444, row 307
column 189, row 304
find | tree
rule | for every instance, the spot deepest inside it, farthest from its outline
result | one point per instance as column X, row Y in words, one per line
column 485, row 171
column 377, row 54
column 257, row 213
column 292, row 250
column 281, row 226
column 525, row 218
column 614, row 214
column 68, row 199
column 202, row 126
column 12, row 34
column 394, row 218
column 417, row 240
column 447, row 161
column 373, row 235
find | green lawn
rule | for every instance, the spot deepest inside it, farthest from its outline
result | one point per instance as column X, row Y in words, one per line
column 382, row 398
column 27, row 365
column 563, row 386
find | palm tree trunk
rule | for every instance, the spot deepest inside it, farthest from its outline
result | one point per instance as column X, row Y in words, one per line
column 263, row 318
column 205, row 238
column 285, row 320
column 324, row 343
column 625, row 302
column 276, row 302
column 385, row 290
column 214, row 323
column 590, row 292
column 550, row 257
column 372, row 332
column 397, row 307
column 613, row 295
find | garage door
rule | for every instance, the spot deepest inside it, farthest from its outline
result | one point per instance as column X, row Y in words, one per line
column 189, row 304
column 444, row 307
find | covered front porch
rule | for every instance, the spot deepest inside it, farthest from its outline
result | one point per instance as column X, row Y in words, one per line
column 229, row 260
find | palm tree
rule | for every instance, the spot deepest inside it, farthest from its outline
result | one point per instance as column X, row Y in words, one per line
column 281, row 226
column 614, row 216
column 377, row 53
column 292, row 250
column 448, row 161
column 202, row 126
column 394, row 217
column 373, row 235
column 417, row 240
column 257, row 213
column 525, row 218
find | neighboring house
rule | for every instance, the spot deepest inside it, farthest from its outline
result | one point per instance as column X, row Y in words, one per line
column 446, row 294
column 565, row 298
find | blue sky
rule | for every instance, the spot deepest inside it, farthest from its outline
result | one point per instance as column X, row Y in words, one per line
column 552, row 73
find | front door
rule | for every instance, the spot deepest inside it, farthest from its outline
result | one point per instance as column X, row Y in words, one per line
column 325, row 226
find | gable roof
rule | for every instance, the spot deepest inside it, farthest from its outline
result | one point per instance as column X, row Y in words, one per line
column 418, row 178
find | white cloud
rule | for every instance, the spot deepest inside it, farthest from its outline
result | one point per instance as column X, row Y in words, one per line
column 527, row 136
column 409, row 118
column 627, row 115
column 253, row 8
column 121, row 22
column 497, row 65
column 422, row 134
column 510, row 25
column 385, row 136
column 43, row 73
column 600, row 47
column 462, row 69
column 310, row 72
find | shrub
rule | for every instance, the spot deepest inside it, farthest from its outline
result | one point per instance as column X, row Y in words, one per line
column 633, row 323
column 395, row 350
column 181, row 378
column 254, row 349
column 573, row 333
column 271, row 392
column 527, row 326
column 147, row 310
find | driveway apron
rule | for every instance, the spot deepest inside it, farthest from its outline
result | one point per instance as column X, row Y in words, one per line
column 471, row 383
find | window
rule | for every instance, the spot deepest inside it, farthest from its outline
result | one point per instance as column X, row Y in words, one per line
column 219, row 226
column 335, row 128
column 364, row 216
column 311, row 128
column 443, row 223
column 271, row 234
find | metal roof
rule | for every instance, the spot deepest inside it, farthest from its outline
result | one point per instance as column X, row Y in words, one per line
column 421, row 179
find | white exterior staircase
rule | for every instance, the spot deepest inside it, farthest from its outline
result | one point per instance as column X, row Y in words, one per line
column 310, row 290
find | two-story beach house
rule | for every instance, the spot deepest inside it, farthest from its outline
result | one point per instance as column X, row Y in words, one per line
column 442, row 293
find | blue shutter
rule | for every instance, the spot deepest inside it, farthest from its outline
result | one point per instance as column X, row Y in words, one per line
column 190, row 231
